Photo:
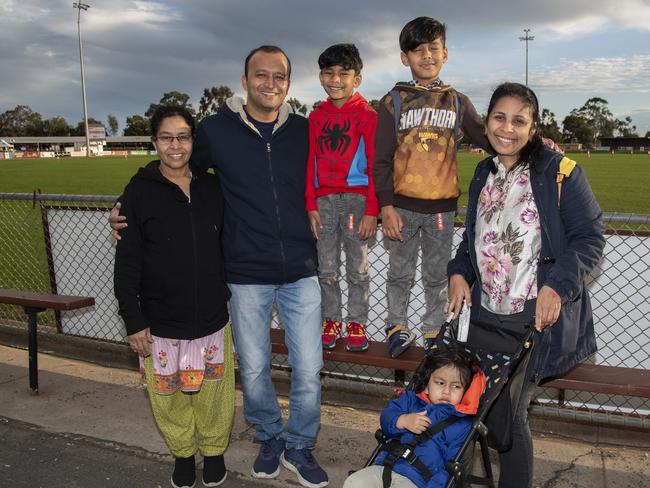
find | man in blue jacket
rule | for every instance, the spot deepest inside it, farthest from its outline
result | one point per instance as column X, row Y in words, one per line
column 258, row 148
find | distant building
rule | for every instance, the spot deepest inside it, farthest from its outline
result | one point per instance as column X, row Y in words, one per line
column 626, row 143
column 74, row 145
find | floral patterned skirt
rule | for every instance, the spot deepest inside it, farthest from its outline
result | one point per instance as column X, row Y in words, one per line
column 184, row 365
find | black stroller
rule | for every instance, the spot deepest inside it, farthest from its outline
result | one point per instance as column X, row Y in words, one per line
column 499, row 369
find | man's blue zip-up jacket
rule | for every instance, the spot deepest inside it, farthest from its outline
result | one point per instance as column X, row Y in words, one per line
column 266, row 236
column 572, row 245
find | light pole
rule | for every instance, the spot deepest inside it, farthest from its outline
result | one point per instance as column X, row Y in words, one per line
column 82, row 6
column 527, row 38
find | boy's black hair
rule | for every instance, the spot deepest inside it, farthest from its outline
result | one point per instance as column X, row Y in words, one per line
column 534, row 147
column 421, row 30
column 267, row 49
column 440, row 359
column 345, row 55
column 166, row 111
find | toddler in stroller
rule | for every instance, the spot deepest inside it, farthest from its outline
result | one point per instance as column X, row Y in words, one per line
column 427, row 435
column 426, row 425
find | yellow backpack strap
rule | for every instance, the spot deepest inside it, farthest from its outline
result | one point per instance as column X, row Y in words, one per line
column 566, row 166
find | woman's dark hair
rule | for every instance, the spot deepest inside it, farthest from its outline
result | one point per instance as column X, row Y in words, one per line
column 269, row 49
column 534, row 147
column 345, row 55
column 421, row 30
column 164, row 111
column 437, row 360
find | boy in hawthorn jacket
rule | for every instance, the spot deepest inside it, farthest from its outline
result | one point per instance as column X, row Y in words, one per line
column 420, row 123
column 339, row 193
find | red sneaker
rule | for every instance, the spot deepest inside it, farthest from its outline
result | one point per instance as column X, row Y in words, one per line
column 331, row 333
column 357, row 339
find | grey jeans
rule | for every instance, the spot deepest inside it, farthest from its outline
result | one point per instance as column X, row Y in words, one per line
column 340, row 215
column 434, row 233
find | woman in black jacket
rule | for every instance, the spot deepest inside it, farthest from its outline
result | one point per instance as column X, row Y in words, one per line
column 172, row 294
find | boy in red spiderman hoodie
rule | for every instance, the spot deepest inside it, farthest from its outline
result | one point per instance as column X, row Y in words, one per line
column 340, row 193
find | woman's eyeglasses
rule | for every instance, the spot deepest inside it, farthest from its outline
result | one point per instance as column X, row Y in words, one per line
column 181, row 138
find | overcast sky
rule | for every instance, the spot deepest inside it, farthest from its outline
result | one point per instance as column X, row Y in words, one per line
column 134, row 51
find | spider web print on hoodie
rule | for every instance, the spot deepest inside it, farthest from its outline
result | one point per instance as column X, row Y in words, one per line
column 341, row 152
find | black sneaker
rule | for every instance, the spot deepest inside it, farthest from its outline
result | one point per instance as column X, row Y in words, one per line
column 399, row 339
column 214, row 470
column 184, row 475
column 303, row 463
column 267, row 464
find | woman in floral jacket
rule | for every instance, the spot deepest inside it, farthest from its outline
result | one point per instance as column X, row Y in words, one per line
column 529, row 244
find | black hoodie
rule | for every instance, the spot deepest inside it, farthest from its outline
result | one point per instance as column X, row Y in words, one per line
column 169, row 264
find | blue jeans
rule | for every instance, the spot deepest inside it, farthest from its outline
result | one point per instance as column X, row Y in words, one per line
column 298, row 304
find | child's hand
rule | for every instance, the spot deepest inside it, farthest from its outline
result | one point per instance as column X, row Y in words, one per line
column 392, row 223
column 368, row 227
column 414, row 422
column 314, row 222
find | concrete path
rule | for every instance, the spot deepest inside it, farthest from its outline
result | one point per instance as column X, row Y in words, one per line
column 92, row 426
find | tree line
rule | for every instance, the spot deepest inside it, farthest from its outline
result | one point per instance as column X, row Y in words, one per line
column 585, row 125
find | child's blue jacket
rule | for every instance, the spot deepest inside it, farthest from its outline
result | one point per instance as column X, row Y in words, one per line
column 435, row 452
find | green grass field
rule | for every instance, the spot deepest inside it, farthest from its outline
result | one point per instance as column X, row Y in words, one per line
column 621, row 182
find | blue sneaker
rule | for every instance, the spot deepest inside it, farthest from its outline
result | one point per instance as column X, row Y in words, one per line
column 302, row 462
column 399, row 339
column 430, row 341
column 267, row 463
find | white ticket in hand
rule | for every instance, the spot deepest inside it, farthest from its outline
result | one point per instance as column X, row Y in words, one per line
column 463, row 323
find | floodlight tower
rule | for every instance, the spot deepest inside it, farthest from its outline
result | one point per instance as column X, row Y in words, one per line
column 82, row 6
column 527, row 38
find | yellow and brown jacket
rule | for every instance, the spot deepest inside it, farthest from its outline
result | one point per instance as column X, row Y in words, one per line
column 415, row 150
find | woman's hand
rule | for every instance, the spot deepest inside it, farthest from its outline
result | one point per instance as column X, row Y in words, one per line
column 414, row 422
column 457, row 292
column 391, row 222
column 141, row 342
column 547, row 309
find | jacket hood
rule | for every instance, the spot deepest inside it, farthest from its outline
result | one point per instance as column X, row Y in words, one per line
column 547, row 157
column 470, row 401
column 469, row 404
column 236, row 105
column 355, row 102
column 406, row 86
column 151, row 172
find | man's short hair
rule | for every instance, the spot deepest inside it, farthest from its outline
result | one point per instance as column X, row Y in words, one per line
column 267, row 49
column 344, row 55
column 420, row 31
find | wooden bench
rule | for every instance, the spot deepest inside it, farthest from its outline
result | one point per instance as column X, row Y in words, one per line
column 32, row 304
column 598, row 378
column 594, row 378
column 376, row 355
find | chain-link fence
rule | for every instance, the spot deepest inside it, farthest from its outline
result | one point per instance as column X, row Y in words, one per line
column 61, row 243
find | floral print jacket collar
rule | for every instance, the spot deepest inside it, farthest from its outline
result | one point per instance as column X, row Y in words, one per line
column 508, row 240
